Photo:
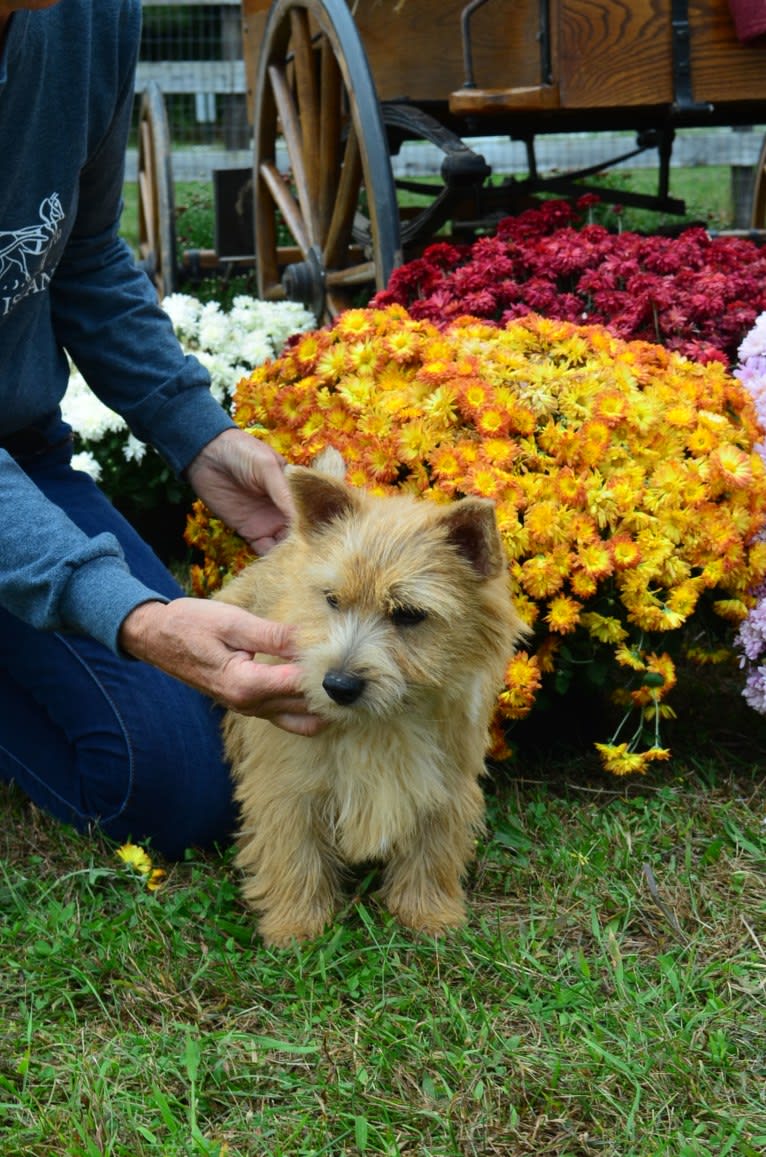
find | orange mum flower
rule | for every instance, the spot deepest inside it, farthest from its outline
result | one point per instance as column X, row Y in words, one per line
column 522, row 681
column 595, row 559
column 624, row 550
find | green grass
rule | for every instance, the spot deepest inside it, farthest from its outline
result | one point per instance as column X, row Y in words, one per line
column 607, row 996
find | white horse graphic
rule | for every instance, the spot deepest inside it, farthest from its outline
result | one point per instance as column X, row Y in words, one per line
column 22, row 251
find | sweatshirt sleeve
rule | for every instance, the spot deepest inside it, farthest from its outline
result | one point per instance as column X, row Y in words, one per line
column 105, row 311
column 53, row 576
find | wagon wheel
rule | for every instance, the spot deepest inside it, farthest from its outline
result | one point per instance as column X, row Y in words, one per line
column 462, row 174
column 315, row 93
column 156, row 208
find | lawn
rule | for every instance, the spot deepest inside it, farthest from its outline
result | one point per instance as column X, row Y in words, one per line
column 607, row 996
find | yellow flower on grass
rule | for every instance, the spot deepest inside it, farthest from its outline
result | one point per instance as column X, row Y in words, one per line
column 618, row 759
column 157, row 878
column 137, row 859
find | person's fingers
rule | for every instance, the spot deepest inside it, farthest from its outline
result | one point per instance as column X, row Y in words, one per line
column 307, row 725
column 266, row 543
column 252, row 635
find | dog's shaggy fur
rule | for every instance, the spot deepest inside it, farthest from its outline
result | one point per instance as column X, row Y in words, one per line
column 405, row 625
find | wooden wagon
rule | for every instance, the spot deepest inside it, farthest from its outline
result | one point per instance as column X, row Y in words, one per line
column 334, row 92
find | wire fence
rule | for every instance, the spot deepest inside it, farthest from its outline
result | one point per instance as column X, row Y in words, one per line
column 194, row 51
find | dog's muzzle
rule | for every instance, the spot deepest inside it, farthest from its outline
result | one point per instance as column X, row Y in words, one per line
column 343, row 687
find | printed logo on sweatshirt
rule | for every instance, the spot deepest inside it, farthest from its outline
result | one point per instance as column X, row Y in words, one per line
column 25, row 253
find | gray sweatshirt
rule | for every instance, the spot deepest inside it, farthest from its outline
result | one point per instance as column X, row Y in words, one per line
column 69, row 283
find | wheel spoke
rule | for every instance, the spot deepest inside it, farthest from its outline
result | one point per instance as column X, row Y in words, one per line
column 146, row 203
column 330, row 127
column 352, row 275
column 307, row 98
column 339, row 231
column 291, row 131
column 285, row 203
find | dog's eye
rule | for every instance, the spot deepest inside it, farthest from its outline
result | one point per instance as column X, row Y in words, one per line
column 407, row 616
column 332, row 600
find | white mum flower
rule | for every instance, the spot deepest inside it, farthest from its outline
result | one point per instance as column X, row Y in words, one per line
column 134, row 449
column 87, row 414
column 184, row 312
column 255, row 348
column 87, row 463
column 222, row 375
column 213, row 329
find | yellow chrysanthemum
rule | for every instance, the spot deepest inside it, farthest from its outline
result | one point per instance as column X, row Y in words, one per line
column 617, row 759
column 595, row 559
column 734, row 610
column 733, row 465
column 605, row 628
column 522, row 681
column 625, row 551
column 332, row 362
column 540, row 576
column 563, row 614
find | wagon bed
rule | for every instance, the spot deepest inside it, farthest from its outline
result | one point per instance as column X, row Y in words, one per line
column 333, row 93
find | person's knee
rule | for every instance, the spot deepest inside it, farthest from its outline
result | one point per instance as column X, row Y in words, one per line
column 179, row 792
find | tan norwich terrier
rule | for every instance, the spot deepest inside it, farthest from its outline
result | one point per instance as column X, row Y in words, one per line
column 405, row 624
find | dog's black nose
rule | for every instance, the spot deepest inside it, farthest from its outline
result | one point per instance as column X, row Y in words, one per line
column 343, row 687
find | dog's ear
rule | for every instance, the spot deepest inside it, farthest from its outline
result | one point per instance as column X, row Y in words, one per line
column 472, row 530
column 319, row 499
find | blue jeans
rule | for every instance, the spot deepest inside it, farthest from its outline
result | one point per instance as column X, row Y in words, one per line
column 98, row 740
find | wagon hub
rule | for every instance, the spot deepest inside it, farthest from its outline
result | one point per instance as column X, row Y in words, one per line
column 305, row 281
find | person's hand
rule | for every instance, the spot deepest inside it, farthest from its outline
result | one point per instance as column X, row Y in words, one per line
column 210, row 646
column 242, row 481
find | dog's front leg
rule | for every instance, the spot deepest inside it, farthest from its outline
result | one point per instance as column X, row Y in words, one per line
column 292, row 875
column 422, row 883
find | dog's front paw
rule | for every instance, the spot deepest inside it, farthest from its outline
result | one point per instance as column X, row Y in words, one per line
column 280, row 931
column 434, row 919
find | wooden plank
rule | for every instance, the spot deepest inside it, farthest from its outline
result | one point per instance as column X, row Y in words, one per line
column 724, row 69
column 190, row 3
column 415, row 49
column 618, row 54
column 614, row 53
column 491, row 101
column 190, row 76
